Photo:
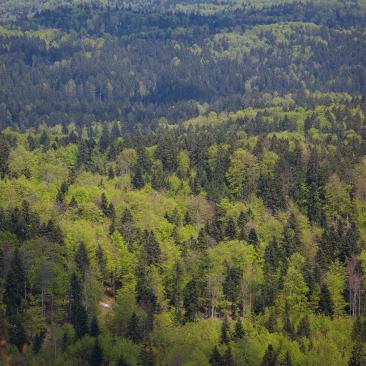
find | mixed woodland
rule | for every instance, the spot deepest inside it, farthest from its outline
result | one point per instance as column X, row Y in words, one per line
column 183, row 183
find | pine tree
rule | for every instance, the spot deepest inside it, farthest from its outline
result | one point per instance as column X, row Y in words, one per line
column 104, row 204
column 78, row 315
column 269, row 358
column 101, row 261
column 146, row 357
column 96, row 356
column 202, row 240
column 304, row 327
column 225, row 332
column 82, row 260
column 111, row 174
column 16, row 332
column 287, row 361
column 231, row 285
column 191, row 300
column 239, row 330
column 151, row 249
column 216, row 358
column 31, row 143
column 252, row 237
column 325, row 301
column 105, row 139
column 44, row 140
column 94, row 327
column 228, row 357
column 138, row 179
column 230, row 230
column 133, row 329
column 122, row 362
column 187, row 219
column 15, row 286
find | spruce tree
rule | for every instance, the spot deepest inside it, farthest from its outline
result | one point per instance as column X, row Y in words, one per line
column 239, row 330
column 325, row 301
column 228, row 359
column 94, row 327
column 133, row 329
column 216, row 358
column 16, row 332
column 96, row 356
column 77, row 313
column 82, row 260
column 252, row 237
column 15, row 285
column 230, row 230
column 225, row 331
column 269, row 358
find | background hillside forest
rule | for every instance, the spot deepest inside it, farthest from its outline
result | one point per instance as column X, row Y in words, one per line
column 182, row 183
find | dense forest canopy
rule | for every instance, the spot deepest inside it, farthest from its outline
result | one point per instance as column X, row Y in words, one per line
column 182, row 183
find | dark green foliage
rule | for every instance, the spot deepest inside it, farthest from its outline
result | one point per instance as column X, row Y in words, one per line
column 102, row 262
column 231, row 285
column 225, row 331
column 96, row 356
column 287, row 361
column 134, row 329
column 291, row 239
column 303, row 329
column 238, row 330
column 252, row 237
column 138, row 179
column 152, row 251
column 191, row 300
column 15, row 286
column 216, row 358
column 146, row 357
column 228, row 359
column 122, row 362
column 77, row 312
column 270, row 356
column 82, row 260
column 230, row 230
column 16, row 332
column 94, row 327
column 325, row 301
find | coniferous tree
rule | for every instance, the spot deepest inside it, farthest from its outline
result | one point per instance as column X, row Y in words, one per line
column 94, row 327
column 78, row 315
column 239, row 330
column 304, row 327
column 151, row 249
column 191, row 300
column 96, row 356
column 138, row 179
column 216, row 358
column 230, row 230
column 15, row 286
column 269, row 358
column 225, row 331
column 133, row 329
column 104, row 204
column 101, row 261
column 287, row 361
column 146, row 357
column 228, row 359
column 252, row 237
column 325, row 301
column 122, row 362
column 16, row 332
column 82, row 260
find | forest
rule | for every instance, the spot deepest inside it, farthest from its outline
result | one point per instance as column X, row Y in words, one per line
column 183, row 183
